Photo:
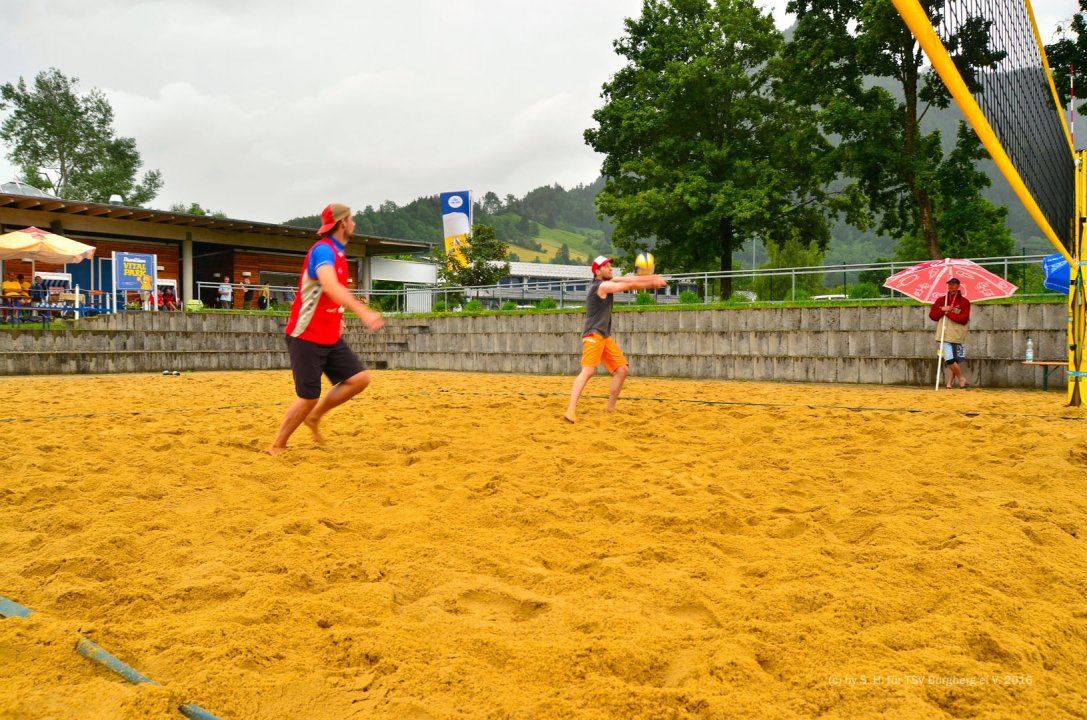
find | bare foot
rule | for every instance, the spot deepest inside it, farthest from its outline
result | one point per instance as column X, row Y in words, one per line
column 312, row 425
column 274, row 450
column 569, row 417
column 610, row 411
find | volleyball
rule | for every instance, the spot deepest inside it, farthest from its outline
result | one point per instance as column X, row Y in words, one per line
column 644, row 263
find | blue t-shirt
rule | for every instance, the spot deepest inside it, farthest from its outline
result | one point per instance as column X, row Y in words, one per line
column 322, row 254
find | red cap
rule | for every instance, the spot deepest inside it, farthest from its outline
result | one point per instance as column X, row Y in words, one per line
column 332, row 215
column 600, row 262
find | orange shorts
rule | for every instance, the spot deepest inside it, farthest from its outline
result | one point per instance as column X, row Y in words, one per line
column 596, row 348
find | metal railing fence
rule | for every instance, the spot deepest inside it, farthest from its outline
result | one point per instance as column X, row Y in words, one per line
column 862, row 281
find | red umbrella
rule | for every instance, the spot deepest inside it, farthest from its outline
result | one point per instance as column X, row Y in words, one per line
column 928, row 280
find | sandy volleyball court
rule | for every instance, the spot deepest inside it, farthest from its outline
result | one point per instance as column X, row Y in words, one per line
column 792, row 551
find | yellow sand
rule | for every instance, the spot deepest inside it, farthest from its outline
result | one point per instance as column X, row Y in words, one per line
column 463, row 553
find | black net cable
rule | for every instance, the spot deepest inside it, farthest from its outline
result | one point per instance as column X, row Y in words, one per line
column 1016, row 99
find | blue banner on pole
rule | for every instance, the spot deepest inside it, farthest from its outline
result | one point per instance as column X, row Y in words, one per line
column 457, row 222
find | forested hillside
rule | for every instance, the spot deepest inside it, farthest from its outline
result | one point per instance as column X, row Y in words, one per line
column 548, row 224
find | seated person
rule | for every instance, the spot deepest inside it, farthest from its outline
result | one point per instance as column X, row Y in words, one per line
column 12, row 289
column 167, row 299
column 38, row 293
column 14, row 294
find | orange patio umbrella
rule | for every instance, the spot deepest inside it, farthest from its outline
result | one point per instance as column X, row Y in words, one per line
column 42, row 246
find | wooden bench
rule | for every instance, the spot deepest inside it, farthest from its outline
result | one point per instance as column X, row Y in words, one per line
column 1047, row 367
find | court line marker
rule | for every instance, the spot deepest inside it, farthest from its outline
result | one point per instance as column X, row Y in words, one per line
column 95, row 653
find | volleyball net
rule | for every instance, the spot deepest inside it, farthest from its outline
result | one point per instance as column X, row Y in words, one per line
column 1011, row 102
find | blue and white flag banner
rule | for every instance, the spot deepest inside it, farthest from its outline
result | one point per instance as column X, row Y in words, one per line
column 457, row 222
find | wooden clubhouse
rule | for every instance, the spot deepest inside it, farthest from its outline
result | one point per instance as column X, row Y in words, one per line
column 190, row 248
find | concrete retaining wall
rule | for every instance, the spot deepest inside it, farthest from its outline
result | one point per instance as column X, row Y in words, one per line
column 884, row 345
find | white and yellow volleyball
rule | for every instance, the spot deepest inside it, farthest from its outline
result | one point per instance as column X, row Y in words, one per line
column 645, row 263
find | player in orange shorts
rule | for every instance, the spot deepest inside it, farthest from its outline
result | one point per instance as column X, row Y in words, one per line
column 597, row 344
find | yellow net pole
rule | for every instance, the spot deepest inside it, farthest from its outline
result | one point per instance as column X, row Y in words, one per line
column 1077, row 314
column 921, row 27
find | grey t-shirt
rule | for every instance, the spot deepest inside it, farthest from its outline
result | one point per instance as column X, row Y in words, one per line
column 597, row 311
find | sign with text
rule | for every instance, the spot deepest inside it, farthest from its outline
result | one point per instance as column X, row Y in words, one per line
column 133, row 271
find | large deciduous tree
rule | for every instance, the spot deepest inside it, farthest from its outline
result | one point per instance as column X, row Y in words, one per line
column 845, row 58
column 65, row 141
column 486, row 258
column 701, row 151
column 1068, row 53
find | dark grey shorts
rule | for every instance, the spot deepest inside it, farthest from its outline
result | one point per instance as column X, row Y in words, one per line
column 310, row 360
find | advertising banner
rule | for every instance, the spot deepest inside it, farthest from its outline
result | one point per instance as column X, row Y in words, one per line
column 134, row 272
column 457, row 223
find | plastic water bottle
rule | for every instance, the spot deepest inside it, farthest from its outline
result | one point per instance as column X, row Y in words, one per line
column 1030, row 349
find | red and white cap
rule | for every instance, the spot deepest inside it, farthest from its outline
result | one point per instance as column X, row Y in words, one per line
column 331, row 215
column 600, row 262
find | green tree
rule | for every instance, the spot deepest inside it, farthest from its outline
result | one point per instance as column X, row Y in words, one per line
column 486, row 256
column 194, row 209
column 792, row 253
column 844, row 56
column 491, row 203
column 701, row 151
column 967, row 224
column 562, row 257
column 65, row 141
column 1070, row 52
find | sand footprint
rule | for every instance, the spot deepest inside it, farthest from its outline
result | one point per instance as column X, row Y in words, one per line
column 696, row 613
column 491, row 605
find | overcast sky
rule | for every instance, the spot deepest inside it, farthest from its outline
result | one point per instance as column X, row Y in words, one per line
column 269, row 109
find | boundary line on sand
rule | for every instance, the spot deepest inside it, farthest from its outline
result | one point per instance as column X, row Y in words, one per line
column 687, row 401
column 91, row 651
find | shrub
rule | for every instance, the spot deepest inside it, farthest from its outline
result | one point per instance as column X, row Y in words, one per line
column 644, row 298
column 473, row 306
column 547, row 304
column 863, row 290
column 687, row 297
column 507, row 306
column 440, row 306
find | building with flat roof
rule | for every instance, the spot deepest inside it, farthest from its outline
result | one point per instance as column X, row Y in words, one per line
column 189, row 248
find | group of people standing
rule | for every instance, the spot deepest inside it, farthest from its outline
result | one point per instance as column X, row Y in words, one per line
column 252, row 297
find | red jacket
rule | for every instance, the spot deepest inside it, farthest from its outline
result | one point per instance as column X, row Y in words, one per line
column 960, row 312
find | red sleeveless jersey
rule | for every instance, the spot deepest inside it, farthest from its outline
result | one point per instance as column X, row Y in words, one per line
column 314, row 317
